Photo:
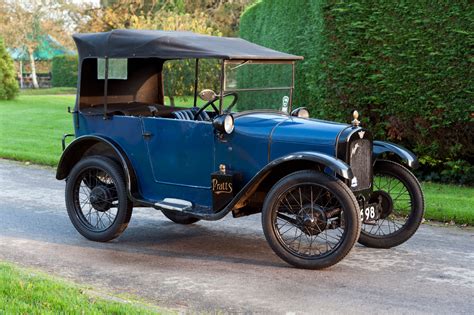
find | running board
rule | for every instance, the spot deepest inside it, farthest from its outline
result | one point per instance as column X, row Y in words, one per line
column 174, row 204
column 186, row 207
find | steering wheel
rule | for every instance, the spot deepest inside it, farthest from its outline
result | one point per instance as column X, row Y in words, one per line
column 216, row 110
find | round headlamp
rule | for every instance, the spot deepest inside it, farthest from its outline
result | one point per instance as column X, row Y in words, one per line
column 224, row 123
column 229, row 124
column 300, row 112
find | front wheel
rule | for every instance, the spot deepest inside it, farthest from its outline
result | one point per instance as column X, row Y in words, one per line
column 400, row 196
column 310, row 219
column 96, row 199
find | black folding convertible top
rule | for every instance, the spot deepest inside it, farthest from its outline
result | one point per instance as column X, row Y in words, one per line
column 171, row 45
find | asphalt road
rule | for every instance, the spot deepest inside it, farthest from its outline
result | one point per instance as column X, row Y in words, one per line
column 227, row 265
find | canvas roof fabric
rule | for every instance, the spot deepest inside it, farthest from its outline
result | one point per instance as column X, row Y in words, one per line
column 171, row 45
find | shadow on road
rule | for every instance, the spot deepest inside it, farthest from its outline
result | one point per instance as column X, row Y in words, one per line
column 150, row 238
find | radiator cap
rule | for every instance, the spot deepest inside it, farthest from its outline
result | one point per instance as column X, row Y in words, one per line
column 355, row 122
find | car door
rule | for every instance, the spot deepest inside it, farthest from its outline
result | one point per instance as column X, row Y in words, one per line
column 181, row 155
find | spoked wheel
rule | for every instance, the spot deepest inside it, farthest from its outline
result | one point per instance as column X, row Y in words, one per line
column 179, row 218
column 401, row 206
column 310, row 220
column 96, row 199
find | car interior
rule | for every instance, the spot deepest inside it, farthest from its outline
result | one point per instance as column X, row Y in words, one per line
column 140, row 94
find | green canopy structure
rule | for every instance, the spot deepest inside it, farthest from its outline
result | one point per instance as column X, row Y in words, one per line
column 47, row 49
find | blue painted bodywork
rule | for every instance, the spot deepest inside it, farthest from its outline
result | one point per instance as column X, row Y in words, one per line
column 306, row 135
column 176, row 157
column 176, row 160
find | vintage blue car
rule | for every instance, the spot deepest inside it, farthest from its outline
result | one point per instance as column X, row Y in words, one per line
column 320, row 186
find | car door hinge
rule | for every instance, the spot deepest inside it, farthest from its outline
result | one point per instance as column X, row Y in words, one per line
column 147, row 135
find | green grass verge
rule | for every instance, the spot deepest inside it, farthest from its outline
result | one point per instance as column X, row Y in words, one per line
column 50, row 91
column 24, row 291
column 449, row 203
column 31, row 128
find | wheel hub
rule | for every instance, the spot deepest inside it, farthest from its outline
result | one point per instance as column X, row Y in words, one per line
column 101, row 198
column 384, row 201
column 311, row 220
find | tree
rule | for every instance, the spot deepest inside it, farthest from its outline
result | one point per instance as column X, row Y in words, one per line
column 25, row 25
column 224, row 14
column 112, row 14
column 20, row 27
column 8, row 85
column 179, row 75
column 210, row 17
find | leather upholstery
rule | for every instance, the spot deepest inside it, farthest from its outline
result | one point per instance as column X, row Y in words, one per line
column 188, row 114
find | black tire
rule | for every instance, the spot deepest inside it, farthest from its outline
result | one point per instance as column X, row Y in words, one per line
column 334, row 194
column 179, row 218
column 407, row 207
column 96, row 185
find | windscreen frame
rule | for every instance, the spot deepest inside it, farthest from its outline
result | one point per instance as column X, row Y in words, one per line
column 239, row 62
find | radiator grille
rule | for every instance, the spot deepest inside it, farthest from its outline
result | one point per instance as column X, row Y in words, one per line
column 360, row 155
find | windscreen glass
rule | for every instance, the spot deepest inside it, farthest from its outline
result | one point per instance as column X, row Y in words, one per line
column 264, row 86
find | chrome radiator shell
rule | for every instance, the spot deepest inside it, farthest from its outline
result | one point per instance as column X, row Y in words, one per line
column 360, row 160
column 354, row 145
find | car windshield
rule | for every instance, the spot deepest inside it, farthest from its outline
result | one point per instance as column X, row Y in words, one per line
column 259, row 85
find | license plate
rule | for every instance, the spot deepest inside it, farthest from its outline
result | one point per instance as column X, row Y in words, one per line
column 369, row 213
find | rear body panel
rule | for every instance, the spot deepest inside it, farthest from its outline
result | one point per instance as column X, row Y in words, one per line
column 176, row 179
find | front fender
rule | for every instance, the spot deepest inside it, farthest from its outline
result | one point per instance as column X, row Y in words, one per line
column 381, row 147
column 336, row 165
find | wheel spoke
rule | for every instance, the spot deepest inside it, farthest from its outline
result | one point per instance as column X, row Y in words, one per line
column 402, row 206
column 304, row 233
column 95, row 198
column 289, row 205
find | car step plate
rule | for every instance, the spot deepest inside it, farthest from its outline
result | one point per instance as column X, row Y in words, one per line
column 174, row 204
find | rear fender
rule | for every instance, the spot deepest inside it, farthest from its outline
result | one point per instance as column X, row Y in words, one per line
column 82, row 146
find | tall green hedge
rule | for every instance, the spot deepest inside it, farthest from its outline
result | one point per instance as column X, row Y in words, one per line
column 295, row 27
column 8, row 84
column 64, row 71
column 407, row 66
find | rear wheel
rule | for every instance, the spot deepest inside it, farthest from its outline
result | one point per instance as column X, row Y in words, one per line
column 402, row 206
column 310, row 219
column 179, row 218
column 96, row 199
